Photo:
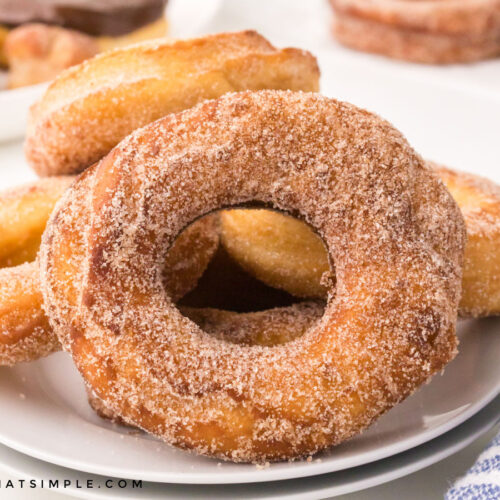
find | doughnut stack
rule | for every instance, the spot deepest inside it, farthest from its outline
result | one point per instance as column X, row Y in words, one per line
column 144, row 153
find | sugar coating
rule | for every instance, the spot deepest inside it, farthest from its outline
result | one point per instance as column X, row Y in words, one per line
column 479, row 201
column 270, row 327
column 25, row 333
column 89, row 108
column 394, row 232
column 267, row 328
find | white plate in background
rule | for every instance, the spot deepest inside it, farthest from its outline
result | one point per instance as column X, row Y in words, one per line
column 324, row 486
column 190, row 18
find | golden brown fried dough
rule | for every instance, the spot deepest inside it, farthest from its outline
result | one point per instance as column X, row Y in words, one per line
column 90, row 108
column 393, row 230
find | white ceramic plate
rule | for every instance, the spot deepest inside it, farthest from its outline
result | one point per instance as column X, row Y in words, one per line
column 45, row 414
column 324, row 486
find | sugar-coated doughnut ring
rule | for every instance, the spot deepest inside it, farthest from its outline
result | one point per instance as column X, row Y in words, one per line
column 479, row 201
column 427, row 31
column 88, row 109
column 283, row 252
column 25, row 334
column 269, row 327
column 24, row 212
column 266, row 328
column 392, row 229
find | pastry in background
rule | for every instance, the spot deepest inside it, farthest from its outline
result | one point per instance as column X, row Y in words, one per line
column 38, row 52
column 38, row 39
column 426, row 31
column 3, row 36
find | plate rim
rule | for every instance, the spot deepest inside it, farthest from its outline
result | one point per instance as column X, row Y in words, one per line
column 414, row 460
column 267, row 474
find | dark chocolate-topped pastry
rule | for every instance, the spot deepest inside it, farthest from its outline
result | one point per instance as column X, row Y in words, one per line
column 93, row 17
column 40, row 38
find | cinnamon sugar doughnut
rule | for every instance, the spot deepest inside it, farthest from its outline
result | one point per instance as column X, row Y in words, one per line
column 393, row 231
column 24, row 212
column 283, row 252
column 88, row 109
column 425, row 31
column 479, row 201
column 25, row 334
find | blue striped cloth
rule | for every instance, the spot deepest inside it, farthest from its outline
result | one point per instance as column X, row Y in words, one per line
column 482, row 481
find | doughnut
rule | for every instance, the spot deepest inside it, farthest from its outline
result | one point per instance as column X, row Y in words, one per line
column 266, row 328
column 426, row 31
column 279, row 250
column 283, row 252
column 25, row 334
column 271, row 327
column 37, row 53
column 189, row 256
column 394, row 232
column 97, row 404
column 479, row 201
column 222, row 278
column 111, row 95
column 40, row 39
column 24, row 212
